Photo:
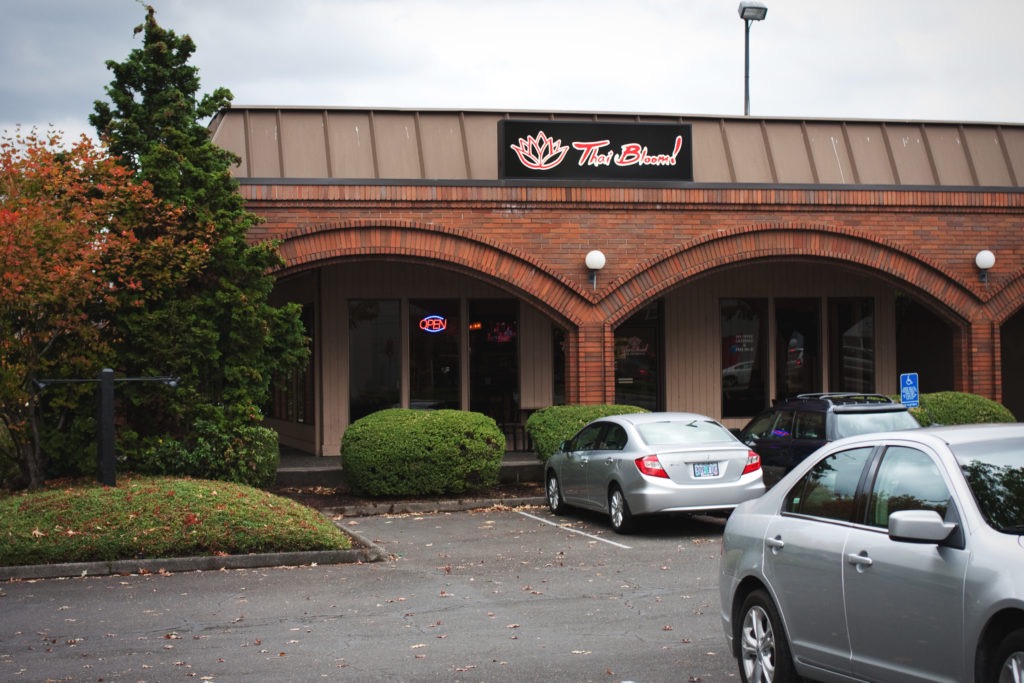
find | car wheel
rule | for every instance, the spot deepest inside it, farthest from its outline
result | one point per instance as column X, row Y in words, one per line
column 618, row 512
column 554, row 493
column 764, row 651
column 1007, row 666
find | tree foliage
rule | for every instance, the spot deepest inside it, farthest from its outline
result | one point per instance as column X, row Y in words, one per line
column 217, row 331
column 70, row 261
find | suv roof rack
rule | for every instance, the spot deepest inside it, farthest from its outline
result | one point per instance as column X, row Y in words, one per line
column 845, row 397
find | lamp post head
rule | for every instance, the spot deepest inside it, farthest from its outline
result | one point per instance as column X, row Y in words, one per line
column 751, row 10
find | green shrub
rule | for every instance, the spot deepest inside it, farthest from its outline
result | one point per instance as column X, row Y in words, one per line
column 956, row 408
column 243, row 453
column 549, row 427
column 399, row 452
column 83, row 521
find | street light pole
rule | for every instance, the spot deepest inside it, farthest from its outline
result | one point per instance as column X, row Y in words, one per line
column 749, row 11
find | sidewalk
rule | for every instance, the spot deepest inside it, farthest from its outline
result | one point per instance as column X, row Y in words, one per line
column 302, row 469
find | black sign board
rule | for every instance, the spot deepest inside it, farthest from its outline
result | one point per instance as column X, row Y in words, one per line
column 583, row 150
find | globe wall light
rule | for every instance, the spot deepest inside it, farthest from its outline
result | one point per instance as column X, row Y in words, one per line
column 595, row 261
column 984, row 259
column 749, row 11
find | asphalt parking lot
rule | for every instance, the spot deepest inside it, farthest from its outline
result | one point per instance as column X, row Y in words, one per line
column 493, row 595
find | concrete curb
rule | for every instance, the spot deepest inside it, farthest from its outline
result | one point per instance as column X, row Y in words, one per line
column 368, row 552
column 424, row 507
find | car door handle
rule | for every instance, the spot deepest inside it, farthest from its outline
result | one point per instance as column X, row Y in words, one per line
column 776, row 544
column 860, row 560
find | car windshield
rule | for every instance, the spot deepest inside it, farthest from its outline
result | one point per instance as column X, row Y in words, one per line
column 683, row 431
column 852, row 424
column 995, row 472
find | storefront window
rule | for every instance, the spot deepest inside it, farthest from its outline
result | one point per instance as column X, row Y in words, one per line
column 797, row 347
column 292, row 397
column 434, row 353
column 744, row 325
column 852, row 334
column 374, row 362
column 558, row 362
column 638, row 360
column 494, row 358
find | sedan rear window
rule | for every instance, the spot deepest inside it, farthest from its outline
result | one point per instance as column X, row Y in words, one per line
column 683, row 431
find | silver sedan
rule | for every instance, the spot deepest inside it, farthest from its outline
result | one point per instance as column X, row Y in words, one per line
column 646, row 463
column 884, row 557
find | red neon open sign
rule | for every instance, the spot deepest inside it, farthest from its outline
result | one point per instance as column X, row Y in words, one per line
column 433, row 324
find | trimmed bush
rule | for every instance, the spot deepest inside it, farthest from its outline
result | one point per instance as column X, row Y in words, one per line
column 956, row 408
column 549, row 427
column 401, row 452
column 245, row 454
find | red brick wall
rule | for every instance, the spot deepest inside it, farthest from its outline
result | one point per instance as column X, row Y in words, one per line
column 533, row 241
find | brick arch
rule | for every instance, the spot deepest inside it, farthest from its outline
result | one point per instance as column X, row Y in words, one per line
column 508, row 268
column 654, row 277
column 1009, row 299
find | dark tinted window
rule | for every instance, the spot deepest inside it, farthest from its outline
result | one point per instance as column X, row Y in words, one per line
column 809, row 425
column 783, row 426
column 829, row 489
column 588, row 438
column 614, row 438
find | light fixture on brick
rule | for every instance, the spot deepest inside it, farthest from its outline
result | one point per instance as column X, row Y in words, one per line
column 984, row 259
column 595, row 261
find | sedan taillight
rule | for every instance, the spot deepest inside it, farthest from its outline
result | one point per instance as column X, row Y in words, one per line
column 753, row 462
column 651, row 466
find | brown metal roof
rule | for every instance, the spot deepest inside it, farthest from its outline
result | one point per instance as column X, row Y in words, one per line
column 392, row 145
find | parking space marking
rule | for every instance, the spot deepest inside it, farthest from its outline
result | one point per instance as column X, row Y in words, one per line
column 575, row 531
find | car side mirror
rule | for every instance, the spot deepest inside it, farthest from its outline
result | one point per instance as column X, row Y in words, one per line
column 564, row 446
column 919, row 526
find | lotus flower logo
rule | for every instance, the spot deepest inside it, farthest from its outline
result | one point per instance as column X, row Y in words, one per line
column 540, row 153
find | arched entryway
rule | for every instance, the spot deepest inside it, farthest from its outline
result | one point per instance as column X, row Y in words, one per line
column 730, row 342
column 394, row 333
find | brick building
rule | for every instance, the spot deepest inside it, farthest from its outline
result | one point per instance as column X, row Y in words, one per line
column 441, row 259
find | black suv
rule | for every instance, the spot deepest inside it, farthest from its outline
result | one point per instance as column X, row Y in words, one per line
column 795, row 427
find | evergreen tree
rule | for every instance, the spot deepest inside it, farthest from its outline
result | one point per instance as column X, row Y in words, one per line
column 218, row 332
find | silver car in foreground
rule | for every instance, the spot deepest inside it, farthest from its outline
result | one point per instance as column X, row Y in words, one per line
column 884, row 557
column 647, row 463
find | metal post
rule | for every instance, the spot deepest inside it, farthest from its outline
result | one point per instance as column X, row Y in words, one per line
column 746, row 68
column 105, row 430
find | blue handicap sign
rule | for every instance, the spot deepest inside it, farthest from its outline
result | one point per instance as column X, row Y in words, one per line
column 909, row 395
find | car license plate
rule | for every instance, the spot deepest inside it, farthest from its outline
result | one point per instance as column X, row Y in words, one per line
column 705, row 469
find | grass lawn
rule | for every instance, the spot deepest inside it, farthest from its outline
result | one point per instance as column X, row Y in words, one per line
column 151, row 517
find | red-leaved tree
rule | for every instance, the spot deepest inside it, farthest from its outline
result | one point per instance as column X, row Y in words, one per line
column 69, row 258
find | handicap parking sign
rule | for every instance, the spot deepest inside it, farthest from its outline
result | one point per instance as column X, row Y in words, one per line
column 909, row 395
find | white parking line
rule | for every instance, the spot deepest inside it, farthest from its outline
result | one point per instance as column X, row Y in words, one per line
column 567, row 528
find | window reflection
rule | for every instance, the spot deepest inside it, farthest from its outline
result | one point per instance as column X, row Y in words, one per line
column 797, row 347
column 374, row 355
column 852, row 351
column 829, row 489
column 743, row 325
column 434, row 354
column 907, row 479
column 638, row 359
column 995, row 473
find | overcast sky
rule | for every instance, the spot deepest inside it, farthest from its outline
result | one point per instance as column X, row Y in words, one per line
column 936, row 60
